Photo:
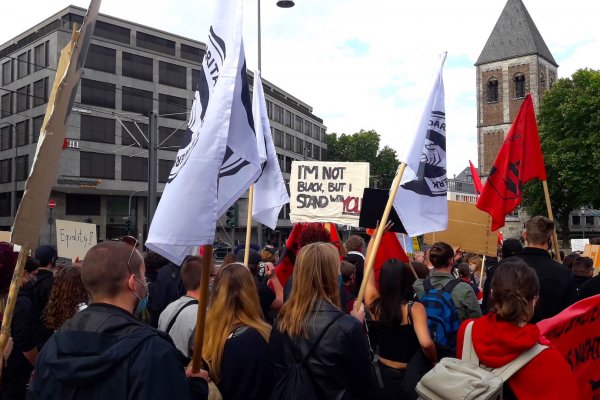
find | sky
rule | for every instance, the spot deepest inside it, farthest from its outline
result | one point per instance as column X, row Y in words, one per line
column 364, row 64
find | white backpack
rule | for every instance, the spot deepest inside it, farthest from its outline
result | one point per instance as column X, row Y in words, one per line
column 454, row 379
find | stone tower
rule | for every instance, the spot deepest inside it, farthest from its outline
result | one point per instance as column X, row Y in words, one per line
column 514, row 61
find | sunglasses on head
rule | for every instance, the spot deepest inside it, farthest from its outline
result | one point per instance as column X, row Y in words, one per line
column 130, row 240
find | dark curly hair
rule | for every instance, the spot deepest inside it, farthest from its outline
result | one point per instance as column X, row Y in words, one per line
column 66, row 294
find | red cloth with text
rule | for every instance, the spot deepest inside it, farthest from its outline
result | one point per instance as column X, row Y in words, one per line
column 520, row 159
column 575, row 333
column 476, row 179
column 389, row 247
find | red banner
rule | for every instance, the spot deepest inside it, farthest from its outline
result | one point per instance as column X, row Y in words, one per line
column 575, row 332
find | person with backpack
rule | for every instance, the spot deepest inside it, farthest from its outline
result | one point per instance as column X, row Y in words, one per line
column 400, row 326
column 236, row 337
column 167, row 288
column 447, row 300
column 318, row 351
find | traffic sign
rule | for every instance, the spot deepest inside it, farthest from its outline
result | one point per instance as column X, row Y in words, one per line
column 51, row 204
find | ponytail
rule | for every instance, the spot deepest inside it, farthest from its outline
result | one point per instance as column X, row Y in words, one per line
column 514, row 288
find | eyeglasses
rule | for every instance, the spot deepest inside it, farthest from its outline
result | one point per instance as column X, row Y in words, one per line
column 130, row 240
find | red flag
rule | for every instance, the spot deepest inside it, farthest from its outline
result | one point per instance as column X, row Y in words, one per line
column 520, row 159
column 476, row 179
column 389, row 247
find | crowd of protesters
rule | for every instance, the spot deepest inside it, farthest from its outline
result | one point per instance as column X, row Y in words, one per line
column 287, row 324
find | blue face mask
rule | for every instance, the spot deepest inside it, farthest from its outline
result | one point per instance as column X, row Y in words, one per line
column 143, row 301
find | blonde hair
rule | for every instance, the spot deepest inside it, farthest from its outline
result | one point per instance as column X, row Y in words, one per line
column 478, row 261
column 234, row 300
column 315, row 279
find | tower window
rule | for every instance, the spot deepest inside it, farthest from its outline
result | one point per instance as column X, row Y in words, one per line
column 492, row 90
column 542, row 80
column 519, row 86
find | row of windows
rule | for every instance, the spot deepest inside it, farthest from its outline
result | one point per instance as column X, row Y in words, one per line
column 519, row 87
column 27, row 132
column 22, row 169
column 576, row 220
column 23, row 64
column 24, row 99
column 102, row 166
column 294, row 121
column 295, row 144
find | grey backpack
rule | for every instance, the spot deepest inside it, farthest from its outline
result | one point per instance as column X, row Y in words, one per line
column 454, row 379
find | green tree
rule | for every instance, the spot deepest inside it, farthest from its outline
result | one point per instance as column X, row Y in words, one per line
column 384, row 169
column 569, row 125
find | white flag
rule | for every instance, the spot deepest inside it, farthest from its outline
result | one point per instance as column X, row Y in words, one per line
column 421, row 200
column 270, row 193
column 218, row 158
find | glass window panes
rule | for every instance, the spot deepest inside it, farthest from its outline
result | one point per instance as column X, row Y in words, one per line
column 589, row 220
column 23, row 133
column 172, row 107
column 37, row 127
column 40, row 56
column 23, row 65
column 134, row 168
column 299, row 145
column 278, row 137
column 6, row 170
column 164, row 169
column 130, row 129
column 175, row 136
column 40, row 92
column 6, row 137
column 5, row 200
column 96, row 165
column 576, row 220
column 172, row 74
column 112, row 32
column 96, row 93
column 298, row 123
column 287, row 118
column 101, row 59
column 7, row 75
column 138, row 67
column 136, row 100
column 195, row 78
column 22, row 167
column 6, row 103
column 191, row 53
column 81, row 204
column 155, row 43
column 97, row 129
column 289, row 142
column 23, row 99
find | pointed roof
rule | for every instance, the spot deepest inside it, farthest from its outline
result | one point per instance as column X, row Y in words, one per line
column 514, row 35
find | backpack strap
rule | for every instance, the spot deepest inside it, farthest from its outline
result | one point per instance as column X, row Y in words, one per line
column 468, row 351
column 451, row 285
column 323, row 332
column 172, row 321
column 427, row 285
column 515, row 365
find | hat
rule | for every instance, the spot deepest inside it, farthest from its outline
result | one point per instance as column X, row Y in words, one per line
column 45, row 254
column 253, row 259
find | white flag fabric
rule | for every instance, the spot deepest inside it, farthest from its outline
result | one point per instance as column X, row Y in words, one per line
column 218, row 158
column 421, row 200
column 270, row 193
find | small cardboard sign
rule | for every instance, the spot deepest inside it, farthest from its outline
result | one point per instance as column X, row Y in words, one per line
column 74, row 239
column 5, row 236
column 579, row 244
column 593, row 251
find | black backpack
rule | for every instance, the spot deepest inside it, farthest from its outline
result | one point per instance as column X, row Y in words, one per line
column 297, row 382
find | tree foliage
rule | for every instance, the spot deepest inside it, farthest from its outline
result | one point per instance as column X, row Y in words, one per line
column 364, row 146
column 569, row 125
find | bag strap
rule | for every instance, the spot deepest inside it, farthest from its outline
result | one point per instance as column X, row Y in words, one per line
column 451, row 285
column 172, row 321
column 427, row 285
column 515, row 365
column 323, row 332
column 468, row 351
column 409, row 312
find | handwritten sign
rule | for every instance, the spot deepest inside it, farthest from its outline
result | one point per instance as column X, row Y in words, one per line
column 74, row 239
column 593, row 251
column 327, row 191
column 579, row 244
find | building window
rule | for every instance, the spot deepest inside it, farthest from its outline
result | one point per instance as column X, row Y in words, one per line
column 172, row 107
column 299, row 145
column 136, row 100
column 6, row 105
column 519, row 86
column 138, row 67
column 175, row 136
column 23, row 133
column 5, row 137
column 96, row 165
column 96, row 129
column 81, row 204
column 22, row 167
column 307, row 128
column 40, row 56
column 277, row 113
column 23, row 99
column 155, row 43
column 164, row 169
column 542, row 80
column 289, row 142
column 172, row 75
column 7, row 74
column 575, row 220
column 195, row 78
column 112, row 32
column 278, row 138
column 492, row 90
column 40, row 92
column 551, row 83
column 5, row 204
column 589, row 220
column 97, row 93
column 192, row 53
column 288, row 164
column 298, row 123
column 130, row 129
column 269, row 109
column 37, row 127
column 101, row 59
column 134, row 169
column 287, row 118
column 23, row 64
column 6, row 170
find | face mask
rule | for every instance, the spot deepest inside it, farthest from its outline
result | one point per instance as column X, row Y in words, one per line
column 143, row 301
column 340, row 281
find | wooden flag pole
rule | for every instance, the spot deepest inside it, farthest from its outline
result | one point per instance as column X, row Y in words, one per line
column 380, row 228
column 249, row 224
column 481, row 273
column 12, row 298
column 551, row 216
column 202, row 306
column 412, row 269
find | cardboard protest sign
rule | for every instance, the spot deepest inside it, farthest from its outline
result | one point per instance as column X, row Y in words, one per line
column 575, row 332
column 593, row 251
column 74, row 239
column 327, row 191
column 5, row 236
column 469, row 228
column 579, row 244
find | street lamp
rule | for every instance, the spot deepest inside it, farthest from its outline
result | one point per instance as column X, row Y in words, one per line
column 582, row 222
column 280, row 3
column 285, row 3
column 14, row 196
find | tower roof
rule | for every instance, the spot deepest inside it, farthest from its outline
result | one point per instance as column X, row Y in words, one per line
column 514, row 35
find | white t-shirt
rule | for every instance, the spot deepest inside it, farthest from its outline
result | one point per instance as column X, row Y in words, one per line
column 182, row 331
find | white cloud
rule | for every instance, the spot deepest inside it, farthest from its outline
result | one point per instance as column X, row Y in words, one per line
column 308, row 51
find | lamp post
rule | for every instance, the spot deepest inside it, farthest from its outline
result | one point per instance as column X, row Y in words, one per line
column 129, row 213
column 582, row 222
column 13, row 202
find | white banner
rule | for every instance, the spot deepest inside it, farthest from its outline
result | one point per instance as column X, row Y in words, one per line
column 327, row 191
column 579, row 244
column 74, row 239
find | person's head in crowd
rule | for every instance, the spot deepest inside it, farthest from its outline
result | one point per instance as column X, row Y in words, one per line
column 348, row 273
column 419, row 257
column 46, row 256
column 464, row 270
column 269, row 254
column 233, row 301
column 514, row 292
column 395, row 288
column 570, row 259
column 190, row 273
column 315, row 278
column 254, row 260
column 583, row 266
column 511, row 247
column 538, row 232
column 67, row 294
column 595, row 240
column 154, row 261
column 427, row 261
column 313, row 233
column 441, row 256
column 113, row 272
column 29, row 271
column 356, row 243
column 420, row 269
column 475, row 262
column 229, row 258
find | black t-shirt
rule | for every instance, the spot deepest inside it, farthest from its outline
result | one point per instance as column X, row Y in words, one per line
column 590, row 288
column 265, row 297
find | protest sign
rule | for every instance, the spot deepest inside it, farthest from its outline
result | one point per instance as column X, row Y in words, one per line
column 327, row 191
column 575, row 332
column 74, row 239
column 5, row 236
column 593, row 251
column 579, row 244
column 469, row 228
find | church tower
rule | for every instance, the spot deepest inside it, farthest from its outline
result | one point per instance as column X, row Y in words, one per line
column 514, row 61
